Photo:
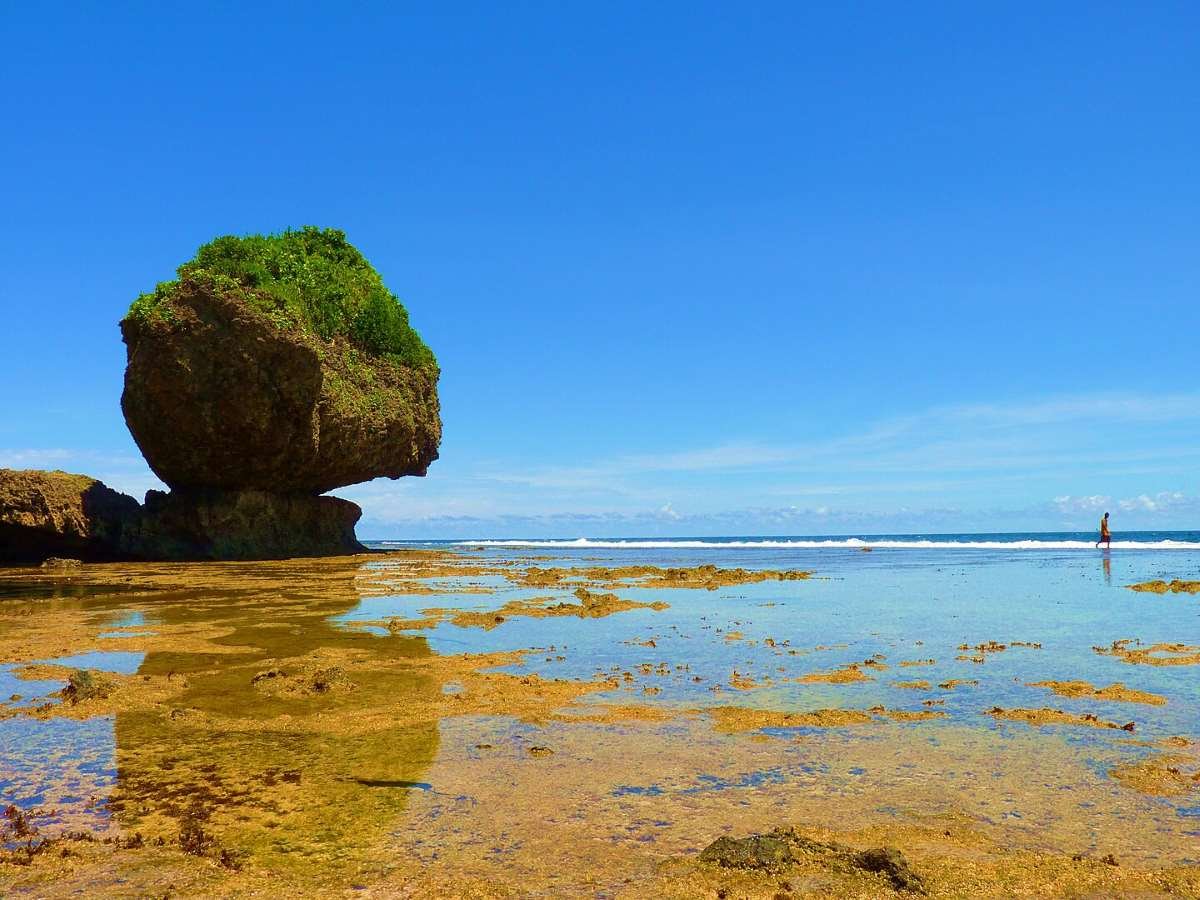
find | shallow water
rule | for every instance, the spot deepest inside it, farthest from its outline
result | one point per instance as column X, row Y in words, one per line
column 904, row 604
column 375, row 759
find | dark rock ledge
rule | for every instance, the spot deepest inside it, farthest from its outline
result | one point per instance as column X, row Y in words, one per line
column 58, row 514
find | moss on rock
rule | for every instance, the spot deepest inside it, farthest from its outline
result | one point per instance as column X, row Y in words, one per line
column 311, row 278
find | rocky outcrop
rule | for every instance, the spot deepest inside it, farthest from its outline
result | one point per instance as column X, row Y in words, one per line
column 57, row 514
column 220, row 395
column 54, row 514
column 243, row 525
column 273, row 369
column 783, row 847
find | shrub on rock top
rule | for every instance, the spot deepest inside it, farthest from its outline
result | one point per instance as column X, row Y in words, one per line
column 312, row 278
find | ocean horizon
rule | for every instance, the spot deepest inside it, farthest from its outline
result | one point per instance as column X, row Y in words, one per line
column 1181, row 540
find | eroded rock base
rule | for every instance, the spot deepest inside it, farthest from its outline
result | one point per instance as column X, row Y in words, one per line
column 243, row 525
column 57, row 514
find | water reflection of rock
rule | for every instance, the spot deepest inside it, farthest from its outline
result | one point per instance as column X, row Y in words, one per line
column 288, row 792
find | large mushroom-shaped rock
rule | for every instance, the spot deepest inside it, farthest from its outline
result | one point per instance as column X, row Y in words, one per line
column 44, row 514
column 278, row 363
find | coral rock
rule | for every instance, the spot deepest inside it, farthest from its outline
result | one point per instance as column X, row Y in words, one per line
column 57, row 514
column 244, row 525
column 219, row 395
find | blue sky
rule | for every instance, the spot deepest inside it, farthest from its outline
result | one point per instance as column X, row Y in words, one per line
column 688, row 268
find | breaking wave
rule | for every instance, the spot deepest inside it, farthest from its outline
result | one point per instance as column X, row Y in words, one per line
column 833, row 543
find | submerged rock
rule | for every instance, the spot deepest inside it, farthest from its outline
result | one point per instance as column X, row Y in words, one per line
column 1175, row 586
column 782, row 847
column 84, row 685
column 758, row 851
column 55, row 562
column 890, row 863
column 278, row 363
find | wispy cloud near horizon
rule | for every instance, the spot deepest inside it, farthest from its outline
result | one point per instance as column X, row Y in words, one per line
column 1035, row 465
column 1018, row 462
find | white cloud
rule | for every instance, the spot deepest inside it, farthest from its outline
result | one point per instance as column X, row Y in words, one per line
column 666, row 511
column 980, row 437
column 926, row 464
column 1163, row 501
column 41, row 458
column 120, row 471
column 1068, row 504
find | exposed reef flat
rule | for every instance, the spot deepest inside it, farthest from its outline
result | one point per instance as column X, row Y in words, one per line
column 1048, row 716
column 1160, row 654
column 1163, row 776
column 1174, row 586
column 267, row 733
column 1116, row 692
column 707, row 576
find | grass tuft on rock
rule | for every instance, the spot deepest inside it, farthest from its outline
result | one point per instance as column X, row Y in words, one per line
column 311, row 278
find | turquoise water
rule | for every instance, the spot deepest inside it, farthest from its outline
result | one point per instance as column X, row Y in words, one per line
column 911, row 603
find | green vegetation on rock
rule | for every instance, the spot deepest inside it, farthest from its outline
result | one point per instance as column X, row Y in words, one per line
column 313, row 279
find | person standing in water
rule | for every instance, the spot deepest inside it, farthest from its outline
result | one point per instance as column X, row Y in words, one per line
column 1105, row 535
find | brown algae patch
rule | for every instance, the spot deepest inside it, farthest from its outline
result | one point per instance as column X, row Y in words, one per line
column 957, row 683
column 614, row 713
column 901, row 861
column 1116, row 692
column 910, row 663
column 309, row 679
column 87, row 692
column 979, row 652
column 740, row 681
column 912, row 685
column 847, row 674
column 1162, row 654
column 1174, row 586
column 738, row 719
column 591, row 605
column 1161, row 776
column 784, row 847
column 1047, row 716
column 905, row 715
column 708, row 577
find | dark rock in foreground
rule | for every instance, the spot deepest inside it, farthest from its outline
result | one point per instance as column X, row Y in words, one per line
column 56, row 514
column 782, row 847
column 244, row 525
column 758, row 851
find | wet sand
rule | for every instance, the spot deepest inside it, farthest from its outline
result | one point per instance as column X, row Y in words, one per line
column 256, row 729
